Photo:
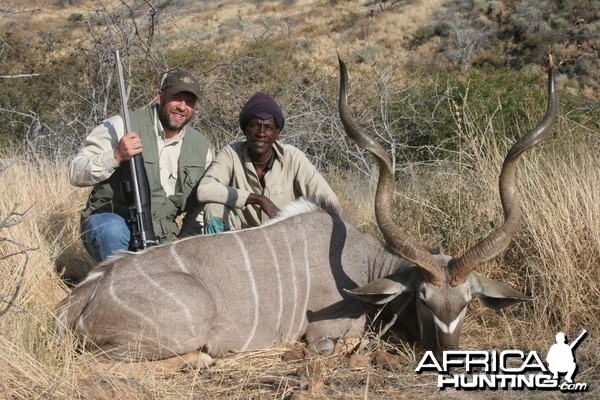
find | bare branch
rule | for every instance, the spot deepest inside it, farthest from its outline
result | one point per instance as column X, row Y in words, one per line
column 18, row 76
column 13, row 218
column 17, row 288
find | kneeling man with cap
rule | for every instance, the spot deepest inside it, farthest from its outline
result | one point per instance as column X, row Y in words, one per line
column 175, row 158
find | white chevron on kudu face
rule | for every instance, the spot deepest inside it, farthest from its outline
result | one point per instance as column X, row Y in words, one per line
column 449, row 328
column 297, row 276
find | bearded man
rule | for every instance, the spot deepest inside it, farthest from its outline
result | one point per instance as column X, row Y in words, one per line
column 175, row 158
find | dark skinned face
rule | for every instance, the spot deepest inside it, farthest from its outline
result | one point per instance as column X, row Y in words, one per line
column 260, row 136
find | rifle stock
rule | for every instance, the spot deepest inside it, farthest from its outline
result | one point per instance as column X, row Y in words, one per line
column 136, row 192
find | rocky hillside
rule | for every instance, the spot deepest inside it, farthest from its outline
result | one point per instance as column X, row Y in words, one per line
column 463, row 33
column 57, row 60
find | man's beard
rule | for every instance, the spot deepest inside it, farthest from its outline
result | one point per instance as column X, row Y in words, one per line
column 166, row 122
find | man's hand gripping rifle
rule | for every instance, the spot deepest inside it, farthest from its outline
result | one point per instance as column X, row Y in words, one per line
column 136, row 191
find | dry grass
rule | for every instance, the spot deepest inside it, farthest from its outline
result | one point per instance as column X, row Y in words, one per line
column 555, row 258
column 329, row 24
column 316, row 28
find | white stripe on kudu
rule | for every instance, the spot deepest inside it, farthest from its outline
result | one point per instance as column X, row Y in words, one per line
column 92, row 277
column 252, row 281
column 113, row 294
column 285, row 239
column 173, row 296
column 178, row 261
column 307, row 277
column 279, row 282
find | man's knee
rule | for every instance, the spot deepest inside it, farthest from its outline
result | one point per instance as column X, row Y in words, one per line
column 219, row 218
column 105, row 233
column 215, row 225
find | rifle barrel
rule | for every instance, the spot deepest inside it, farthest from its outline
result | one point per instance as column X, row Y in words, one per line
column 134, row 172
column 576, row 341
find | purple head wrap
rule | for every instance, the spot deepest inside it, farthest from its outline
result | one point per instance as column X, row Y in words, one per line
column 262, row 106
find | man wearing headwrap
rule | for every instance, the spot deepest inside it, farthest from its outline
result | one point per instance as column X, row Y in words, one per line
column 250, row 181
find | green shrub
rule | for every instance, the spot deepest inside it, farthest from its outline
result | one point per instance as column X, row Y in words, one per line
column 75, row 17
column 423, row 34
column 429, row 115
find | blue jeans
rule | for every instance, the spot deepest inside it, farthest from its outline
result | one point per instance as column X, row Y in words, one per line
column 105, row 233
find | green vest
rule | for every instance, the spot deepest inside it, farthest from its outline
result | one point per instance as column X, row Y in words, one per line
column 107, row 196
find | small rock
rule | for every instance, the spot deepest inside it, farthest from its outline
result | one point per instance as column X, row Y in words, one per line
column 386, row 360
column 359, row 361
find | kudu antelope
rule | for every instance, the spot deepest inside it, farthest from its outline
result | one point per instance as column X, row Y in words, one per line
column 298, row 276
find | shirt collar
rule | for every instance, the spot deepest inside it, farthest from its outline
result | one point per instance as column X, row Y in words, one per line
column 278, row 148
column 277, row 155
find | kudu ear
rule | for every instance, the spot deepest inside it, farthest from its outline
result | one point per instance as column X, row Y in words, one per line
column 494, row 294
column 383, row 290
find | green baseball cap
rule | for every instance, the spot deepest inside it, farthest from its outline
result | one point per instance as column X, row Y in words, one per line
column 178, row 81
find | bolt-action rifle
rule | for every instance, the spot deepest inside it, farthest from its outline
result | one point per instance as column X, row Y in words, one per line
column 576, row 342
column 136, row 191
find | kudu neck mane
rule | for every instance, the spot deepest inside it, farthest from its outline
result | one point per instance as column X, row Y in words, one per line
column 304, row 205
